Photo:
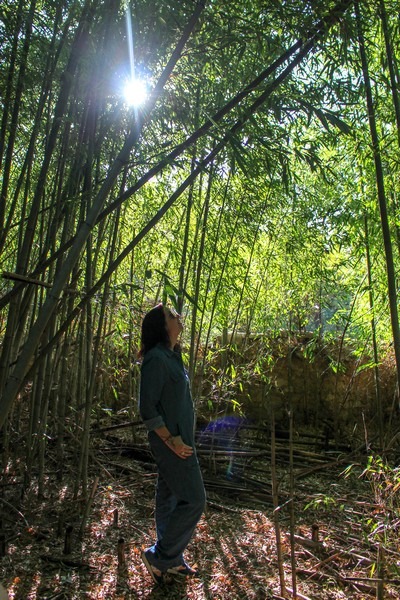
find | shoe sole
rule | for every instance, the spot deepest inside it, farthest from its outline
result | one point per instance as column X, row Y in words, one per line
column 155, row 578
column 183, row 572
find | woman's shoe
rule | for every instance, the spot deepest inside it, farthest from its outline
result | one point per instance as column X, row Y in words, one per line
column 156, row 575
column 183, row 571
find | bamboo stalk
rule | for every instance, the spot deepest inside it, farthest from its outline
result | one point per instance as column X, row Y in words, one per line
column 88, row 506
column 380, row 563
column 121, row 554
column 381, row 192
column 276, row 509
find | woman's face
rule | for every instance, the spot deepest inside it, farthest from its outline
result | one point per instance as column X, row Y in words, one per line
column 173, row 324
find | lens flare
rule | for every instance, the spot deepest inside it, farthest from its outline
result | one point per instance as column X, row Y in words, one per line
column 135, row 92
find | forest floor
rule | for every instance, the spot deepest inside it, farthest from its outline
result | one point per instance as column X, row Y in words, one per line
column 234, row 547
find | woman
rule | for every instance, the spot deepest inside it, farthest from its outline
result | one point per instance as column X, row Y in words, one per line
column 166, row 408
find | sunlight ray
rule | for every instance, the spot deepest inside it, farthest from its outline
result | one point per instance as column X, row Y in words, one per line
column 135, row 89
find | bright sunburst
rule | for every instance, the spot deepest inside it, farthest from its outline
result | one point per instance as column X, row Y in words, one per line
column 135, row 92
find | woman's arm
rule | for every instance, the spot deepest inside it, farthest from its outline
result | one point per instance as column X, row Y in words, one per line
column 174, row 442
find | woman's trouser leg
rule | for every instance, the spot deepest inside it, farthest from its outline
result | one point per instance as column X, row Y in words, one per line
column 165, row 505
column 184, row 480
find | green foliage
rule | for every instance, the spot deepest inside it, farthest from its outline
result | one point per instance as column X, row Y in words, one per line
column 280, row 242
column 384, row 480
column 323, row 502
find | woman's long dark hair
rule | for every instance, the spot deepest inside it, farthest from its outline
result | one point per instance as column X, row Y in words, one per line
column 154, row 330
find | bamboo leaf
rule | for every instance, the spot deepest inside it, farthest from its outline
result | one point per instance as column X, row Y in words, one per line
column 172, row 292
column 339, row 123
column 321, row 116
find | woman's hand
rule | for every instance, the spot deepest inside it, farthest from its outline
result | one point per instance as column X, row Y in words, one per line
column 174, row 443
column 178, row 446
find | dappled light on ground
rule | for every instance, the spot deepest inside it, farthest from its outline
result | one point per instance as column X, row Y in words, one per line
column 234, row 546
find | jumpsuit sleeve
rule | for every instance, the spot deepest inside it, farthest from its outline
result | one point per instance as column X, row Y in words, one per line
column 152, row 380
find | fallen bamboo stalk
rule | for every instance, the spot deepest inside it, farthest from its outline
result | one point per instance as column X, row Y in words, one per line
column 32, row 281
column 309, row 543
column 298, row 595
column 332, row 574
column 117, row 426
column 373, row 579
column 67, row 562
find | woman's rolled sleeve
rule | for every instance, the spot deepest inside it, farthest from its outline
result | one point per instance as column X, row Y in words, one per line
column 155, row 423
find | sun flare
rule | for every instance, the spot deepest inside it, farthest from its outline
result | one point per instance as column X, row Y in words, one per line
column 135, row 92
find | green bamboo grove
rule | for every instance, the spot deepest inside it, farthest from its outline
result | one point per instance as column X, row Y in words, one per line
column 256, row 189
